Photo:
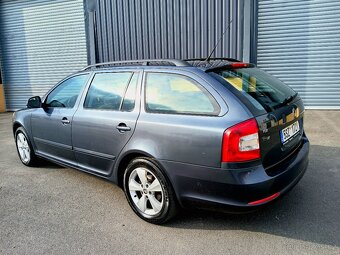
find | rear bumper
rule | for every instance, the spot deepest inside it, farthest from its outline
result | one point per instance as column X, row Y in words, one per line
column 232, row 190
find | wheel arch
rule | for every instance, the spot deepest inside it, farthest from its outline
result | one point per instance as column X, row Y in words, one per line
column 123, row 162
column 127, row 157
column 16, row 125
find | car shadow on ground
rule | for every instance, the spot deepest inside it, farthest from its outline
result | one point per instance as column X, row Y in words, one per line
column 310, row 212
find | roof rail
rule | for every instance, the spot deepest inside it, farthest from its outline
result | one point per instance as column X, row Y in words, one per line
column 145, row 62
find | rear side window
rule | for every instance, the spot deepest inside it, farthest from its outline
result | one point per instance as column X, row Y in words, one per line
column 261, row 89
column 107, row 90
column 66, row 93
column 173, row 93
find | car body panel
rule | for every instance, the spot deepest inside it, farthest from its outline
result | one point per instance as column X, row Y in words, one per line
column 186, row 147
column 96, row 140
column 232, row 190
column 51, row 129
column 51, row 137
column 271, row 124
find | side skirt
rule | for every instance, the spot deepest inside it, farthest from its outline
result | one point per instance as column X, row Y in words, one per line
column 62, row 163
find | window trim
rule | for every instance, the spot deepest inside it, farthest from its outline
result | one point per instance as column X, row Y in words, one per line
column 126, row 89
column 212, row 99
column 110, row 72
column 60, row 83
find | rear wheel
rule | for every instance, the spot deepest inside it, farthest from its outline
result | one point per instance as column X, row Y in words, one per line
column 148, row 192
column 24, row 148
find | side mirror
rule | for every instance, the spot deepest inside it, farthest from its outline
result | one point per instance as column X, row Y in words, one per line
column 34, row 102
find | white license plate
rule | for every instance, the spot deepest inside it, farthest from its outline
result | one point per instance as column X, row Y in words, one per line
column 289, row 132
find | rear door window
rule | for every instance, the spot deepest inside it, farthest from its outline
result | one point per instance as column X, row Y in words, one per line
column 174, row 93
column 107, row 91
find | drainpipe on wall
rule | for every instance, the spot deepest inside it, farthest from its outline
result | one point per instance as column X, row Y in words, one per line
column 250, row 31
column 2, row 96
column 90, row 23
column 2, row 99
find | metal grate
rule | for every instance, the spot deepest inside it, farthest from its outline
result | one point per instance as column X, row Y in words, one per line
column 41, row 42
column 298, row 42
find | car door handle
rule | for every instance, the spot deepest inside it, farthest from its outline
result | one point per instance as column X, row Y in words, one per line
column 122, row 127
column 65, row 121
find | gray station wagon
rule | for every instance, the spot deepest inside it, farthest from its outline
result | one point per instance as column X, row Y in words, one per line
column 217, row 134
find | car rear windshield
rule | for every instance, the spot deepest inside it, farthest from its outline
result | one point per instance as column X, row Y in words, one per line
column 262, row 90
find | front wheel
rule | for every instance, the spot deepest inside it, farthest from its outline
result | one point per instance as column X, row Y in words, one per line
column 24, row 148
column 148, row 192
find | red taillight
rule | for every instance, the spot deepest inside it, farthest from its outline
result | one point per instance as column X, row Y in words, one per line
column 241, row 142
column 239, row 65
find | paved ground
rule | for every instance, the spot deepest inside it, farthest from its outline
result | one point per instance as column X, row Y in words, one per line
column 55, row 210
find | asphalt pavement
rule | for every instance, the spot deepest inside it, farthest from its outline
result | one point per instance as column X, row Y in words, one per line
column 57, row 210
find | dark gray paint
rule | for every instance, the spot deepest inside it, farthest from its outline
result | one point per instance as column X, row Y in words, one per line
column 187, row 148
column 201, row 135
column 92, row 143
column 133, row 29
column 96, row 140
column 51, row 136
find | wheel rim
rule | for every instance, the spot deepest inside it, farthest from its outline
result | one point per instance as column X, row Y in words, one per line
column 146, row 191
column 23, row 148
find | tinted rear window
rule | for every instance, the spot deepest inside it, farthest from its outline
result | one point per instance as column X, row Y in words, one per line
column 264, row 91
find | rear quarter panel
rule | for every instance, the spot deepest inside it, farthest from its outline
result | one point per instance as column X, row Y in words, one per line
column 187, row 138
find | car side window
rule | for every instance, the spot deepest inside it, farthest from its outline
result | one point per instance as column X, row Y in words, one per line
column 174, row 93
column 107, row 90
column 66, row 93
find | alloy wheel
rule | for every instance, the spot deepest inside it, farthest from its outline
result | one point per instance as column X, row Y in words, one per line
column 146, row 191
column 23, row 148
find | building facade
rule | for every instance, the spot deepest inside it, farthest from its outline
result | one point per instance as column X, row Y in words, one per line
column 42, row 41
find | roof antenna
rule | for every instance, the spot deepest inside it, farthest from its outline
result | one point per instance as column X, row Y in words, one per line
column 219, row 40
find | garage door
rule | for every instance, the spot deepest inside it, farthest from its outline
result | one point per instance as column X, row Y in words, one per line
column 41, row 41
column 299, row 42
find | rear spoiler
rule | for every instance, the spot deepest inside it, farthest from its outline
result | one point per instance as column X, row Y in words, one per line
column 230, row 66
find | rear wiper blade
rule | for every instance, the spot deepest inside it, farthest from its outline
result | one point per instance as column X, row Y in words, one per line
column 289, row 99
column 286, row 101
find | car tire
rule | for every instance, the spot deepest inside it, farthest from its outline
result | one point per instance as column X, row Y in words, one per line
column 24, row 148
column 149, row 192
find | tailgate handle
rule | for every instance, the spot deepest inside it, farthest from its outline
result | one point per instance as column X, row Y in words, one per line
column 265, row 138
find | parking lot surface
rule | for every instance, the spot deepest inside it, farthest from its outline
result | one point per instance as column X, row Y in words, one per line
column 57, row 210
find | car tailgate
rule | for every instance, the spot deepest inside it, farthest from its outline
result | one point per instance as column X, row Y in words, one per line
column 275, row 146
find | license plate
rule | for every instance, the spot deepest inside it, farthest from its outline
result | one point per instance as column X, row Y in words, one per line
column 289, row 132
